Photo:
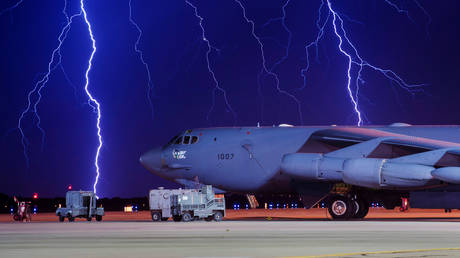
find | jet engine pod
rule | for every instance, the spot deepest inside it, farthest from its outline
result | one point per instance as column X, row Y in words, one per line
column 381, row 173
column 448, row 174
column 312, row 166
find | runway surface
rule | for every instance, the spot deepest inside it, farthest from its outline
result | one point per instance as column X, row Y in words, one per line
column 247, row 238
column 275, row 214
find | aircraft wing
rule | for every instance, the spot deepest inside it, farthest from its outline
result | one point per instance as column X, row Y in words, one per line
column 372, row 143
column 373, row 158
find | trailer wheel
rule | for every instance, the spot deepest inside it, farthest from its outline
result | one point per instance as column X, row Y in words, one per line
column 218, row 216
column 98, row 217
column 61, row 218
column 156, row 216
column 186, row 217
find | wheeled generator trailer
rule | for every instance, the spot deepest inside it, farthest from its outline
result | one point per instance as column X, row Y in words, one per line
column 186, row 204
column 80, row 204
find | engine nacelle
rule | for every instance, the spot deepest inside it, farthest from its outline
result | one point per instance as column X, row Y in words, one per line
column 381, row 173
column 312, row 166
column 448, row 174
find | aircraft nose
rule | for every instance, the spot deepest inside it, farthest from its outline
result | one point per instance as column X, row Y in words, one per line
column 152, row 159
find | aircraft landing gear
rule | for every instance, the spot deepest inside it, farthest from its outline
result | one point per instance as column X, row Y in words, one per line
column 342, row 207
column 361, row 208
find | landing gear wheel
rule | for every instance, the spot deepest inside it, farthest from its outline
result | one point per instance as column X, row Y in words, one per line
column 156, row 216
column 363, row 208
column 177, row 218
column 340, row 207
column 218, row 216
column 187, row 217
column 98, row 217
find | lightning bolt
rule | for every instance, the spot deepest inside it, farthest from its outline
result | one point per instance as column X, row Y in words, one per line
column 355, row 61
column 91, row 100
column 264, row 69
column 210, row 48
column 335, row 16
column 287, row 46
column 282, row 20
column 34, row 96
column 400, row 10
column 314, row 43
column 427, row 15
column 406, row 13
column 11, row 8
column 141, row 57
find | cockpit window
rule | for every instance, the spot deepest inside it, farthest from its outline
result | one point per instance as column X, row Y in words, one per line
column 194, row 139
column 173, row 139
column 186, row 139
column 179, row 140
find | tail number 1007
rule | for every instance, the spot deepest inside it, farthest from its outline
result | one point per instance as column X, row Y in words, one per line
column 222, row 156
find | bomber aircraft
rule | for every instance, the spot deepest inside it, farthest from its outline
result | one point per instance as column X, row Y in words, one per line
column 347, row 167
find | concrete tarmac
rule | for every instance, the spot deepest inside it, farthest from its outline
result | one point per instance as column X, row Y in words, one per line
column 248, row 238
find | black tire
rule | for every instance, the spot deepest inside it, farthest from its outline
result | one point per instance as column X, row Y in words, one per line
column 362, row 210
column 89, row 218
column 177, row 218
column 156, row 216
column 61, row 218
column 164, row 219
column 218, row 216
column 98, row 218
column 187, row 217
column 340, row 207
